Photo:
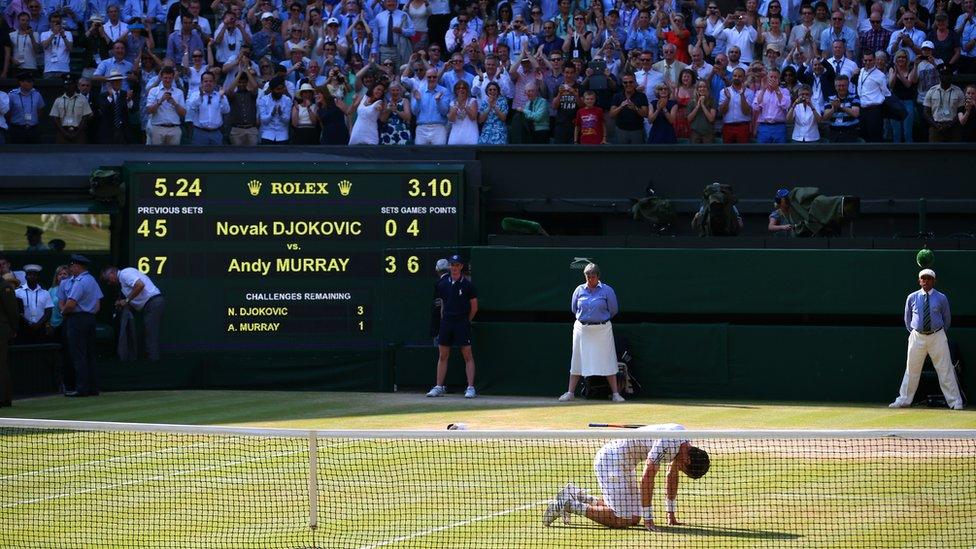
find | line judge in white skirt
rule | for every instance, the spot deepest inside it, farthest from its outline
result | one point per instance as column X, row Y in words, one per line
column 594, row 354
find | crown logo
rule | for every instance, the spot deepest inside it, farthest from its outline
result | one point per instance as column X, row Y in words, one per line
column 345, row 187
column 254, row 187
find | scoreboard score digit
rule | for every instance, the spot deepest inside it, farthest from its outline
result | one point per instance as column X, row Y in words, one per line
column 270, row 255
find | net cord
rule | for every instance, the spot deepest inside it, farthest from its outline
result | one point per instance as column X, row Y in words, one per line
column 351, row 434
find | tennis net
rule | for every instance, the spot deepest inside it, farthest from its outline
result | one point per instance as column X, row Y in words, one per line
column 94, row 484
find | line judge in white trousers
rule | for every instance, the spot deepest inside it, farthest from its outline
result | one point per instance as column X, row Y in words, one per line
column 927, row 317
column 594, row 354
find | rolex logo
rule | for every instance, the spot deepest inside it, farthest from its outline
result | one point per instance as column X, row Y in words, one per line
column 345, row 187
column 254, row 187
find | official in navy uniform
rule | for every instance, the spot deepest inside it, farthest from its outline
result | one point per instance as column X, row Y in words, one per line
column 459, row 305
column 80, row 302
column 9, row 319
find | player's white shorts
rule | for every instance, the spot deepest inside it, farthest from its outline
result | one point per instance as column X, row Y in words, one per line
column 620, row 488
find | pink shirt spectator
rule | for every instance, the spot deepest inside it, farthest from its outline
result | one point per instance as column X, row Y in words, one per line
column 525, row 79
column 771, row 107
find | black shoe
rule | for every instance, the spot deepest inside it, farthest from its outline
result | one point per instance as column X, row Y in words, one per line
column 74, row 394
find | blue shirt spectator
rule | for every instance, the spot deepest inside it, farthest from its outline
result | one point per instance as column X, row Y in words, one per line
column 450, row 78
column 25, row 107
column 847, row 36
column 106, row 66
column 84, row 290
column 431, row 106
column 594, row 306
column 72, row 12
column 642, row 39
column 939, row 312
column 180, row 44
column 100, row 7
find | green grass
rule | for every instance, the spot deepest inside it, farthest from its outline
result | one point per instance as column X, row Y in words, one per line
column 70, row 489
column 79, row 231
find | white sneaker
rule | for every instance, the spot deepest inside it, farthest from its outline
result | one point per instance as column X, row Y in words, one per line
column 557, row 507
column 566, row 397
column 617, row 398
column 437, row 391
column 897, row 404
column 957, row 407
column 469, row 392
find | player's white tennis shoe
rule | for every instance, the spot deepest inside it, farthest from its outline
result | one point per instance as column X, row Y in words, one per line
column 558, row 506
column 437, row 391
column 566, row 397
column 469, row 392
column 897, row 404
column 617, row 398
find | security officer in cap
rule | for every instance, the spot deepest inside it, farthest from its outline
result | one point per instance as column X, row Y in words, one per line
column 459, row 305
column 34, row 242
column 9, row 319
column 80, row 301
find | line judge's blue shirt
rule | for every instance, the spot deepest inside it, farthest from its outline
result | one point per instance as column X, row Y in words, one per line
column 596, row 305
column 84, row 290
column 938, row 308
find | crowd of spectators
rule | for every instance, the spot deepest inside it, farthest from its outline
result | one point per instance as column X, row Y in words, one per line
column 476, row 71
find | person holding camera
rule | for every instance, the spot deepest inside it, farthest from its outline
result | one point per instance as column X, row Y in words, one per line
column 230, row 35
column 166, row 107
column 181, row 43
column 56, row 44
column 26, row 45
column 804, row 116
column 242, row 95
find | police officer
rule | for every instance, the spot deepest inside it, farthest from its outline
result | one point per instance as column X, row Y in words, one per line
column 80, row 301
column 9, row 319
column 459, row 305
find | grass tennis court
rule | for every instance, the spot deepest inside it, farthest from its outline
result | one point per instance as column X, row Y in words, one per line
column 207, row 490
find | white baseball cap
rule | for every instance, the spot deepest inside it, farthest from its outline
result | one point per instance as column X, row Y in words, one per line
column 926, row 272
column 928, row 44
column 266, row 15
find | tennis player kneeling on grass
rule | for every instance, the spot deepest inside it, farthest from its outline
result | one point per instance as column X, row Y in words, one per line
column 625, row 502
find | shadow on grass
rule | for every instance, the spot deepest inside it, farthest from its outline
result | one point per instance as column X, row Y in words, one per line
column 703, row 531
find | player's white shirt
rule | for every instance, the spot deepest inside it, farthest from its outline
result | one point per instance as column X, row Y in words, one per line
column 630, row 452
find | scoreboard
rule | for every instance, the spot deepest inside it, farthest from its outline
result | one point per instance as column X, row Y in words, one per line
column 268, row 256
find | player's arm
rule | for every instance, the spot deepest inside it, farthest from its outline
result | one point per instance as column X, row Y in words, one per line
column 646, row 494
column 671, row 494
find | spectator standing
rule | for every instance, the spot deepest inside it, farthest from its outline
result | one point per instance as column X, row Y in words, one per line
column 242, row 95
column 736, row 110
column 26, row 106
column 166, row 107
column 947, row 46
column 536, row 111
column 838, row 32
column 332, row 118
column 628, row 112
column 670, row 67
column 56, row 44
column 365, row 131
column 903, row 82
column 492, row 112
column 927, row 316
column 702, row 114
column 208, row 107
column 70, row 115
column 274, row 111
column 737, row 33
column 843, row 110
column 566, row 101
column 26, row 43
column 116, row 63
column 676, row 35
column 142, row 295
column 662, row 114
column 230, row 35
column 966, row 116
column 395, row 118
column 593, row 304
column 392, row 29
column 908, row 37
column 590, row 124
column 463, row 115
column 806, row 35
column 459, row 301
column 967, row 58
column 876, row 38
column 81, row 297
column 941, row 105
column 642, row 37
column 872, row 88
column 805, row 117
column 116, row 106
